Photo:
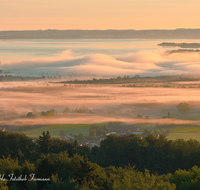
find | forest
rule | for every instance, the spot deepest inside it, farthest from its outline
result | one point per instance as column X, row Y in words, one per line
column 128, row 162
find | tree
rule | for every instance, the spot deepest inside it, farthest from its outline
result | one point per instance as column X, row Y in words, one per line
column 66, row 110
column 84, row 109
column 139, row 117
column 186, row 179
column 62, row 133
column 92, row 133
column 44, row 142
column 80, row 136
column 44, row 169
column 29, row 114
column 48, row 113
column 3, row 185
column 75, row 143
column 85, row 172
column 105, row 128
column 155, row 133
column 183, row 107
column 146, row 133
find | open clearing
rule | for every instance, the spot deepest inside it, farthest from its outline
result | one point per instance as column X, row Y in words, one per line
column 185, row 136
column 68, row 128
column 179, row 132
column 56, row 131
column 187, row 129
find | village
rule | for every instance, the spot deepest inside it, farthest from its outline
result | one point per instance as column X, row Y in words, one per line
column 120, row 130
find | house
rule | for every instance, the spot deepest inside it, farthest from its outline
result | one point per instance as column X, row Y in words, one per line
column 123, row 128
column 137, row 133
column 67, row 137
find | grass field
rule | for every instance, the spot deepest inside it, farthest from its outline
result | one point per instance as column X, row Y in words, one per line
column 144, row 126
column 148, row 127
column 187, row 129
column 188, row 133
column 54, row 130
column 70, row 128
column 185, row 136
column 188, row 117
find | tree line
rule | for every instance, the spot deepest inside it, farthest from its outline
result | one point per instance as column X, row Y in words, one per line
column 128, row 162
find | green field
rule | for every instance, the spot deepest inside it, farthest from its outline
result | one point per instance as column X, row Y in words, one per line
column 185, row 136
column 188, row 117
column 72, row 126
column 142, row 125
column 186, row 130
column 149, row 127
column 190, row 128
column 179, row 132
column 55, row 132
column 68, row 128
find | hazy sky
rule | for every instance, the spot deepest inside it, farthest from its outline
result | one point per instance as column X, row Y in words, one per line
column 98, row 14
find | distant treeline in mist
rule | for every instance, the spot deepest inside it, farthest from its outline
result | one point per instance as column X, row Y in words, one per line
column 183, row 51
column 136, row 79
column 181, row 45
column 119, row 163
column 102, row 34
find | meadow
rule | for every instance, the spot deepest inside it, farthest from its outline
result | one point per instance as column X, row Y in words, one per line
column 54, row 130
column 185, row 136
column 189, row 129
column 186, row 131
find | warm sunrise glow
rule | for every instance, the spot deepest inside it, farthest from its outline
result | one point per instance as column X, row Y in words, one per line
column 98, row 14
column 99, row 94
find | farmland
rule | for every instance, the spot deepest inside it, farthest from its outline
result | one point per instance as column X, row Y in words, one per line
column 185, row 136
column 68, row 129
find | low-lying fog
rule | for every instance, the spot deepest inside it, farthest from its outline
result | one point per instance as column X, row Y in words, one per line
column 100, row 103
column 144, row 62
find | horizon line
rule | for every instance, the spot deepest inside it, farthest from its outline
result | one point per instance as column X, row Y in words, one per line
column 102, row 29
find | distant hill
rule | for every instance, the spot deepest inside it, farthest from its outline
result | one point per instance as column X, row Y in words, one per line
column 102, row 34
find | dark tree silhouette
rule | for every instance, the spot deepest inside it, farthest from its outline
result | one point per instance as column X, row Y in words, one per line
column 44, row 142
column 85, row 172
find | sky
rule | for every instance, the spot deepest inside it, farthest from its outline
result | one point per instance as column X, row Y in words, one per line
column 98, row 14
